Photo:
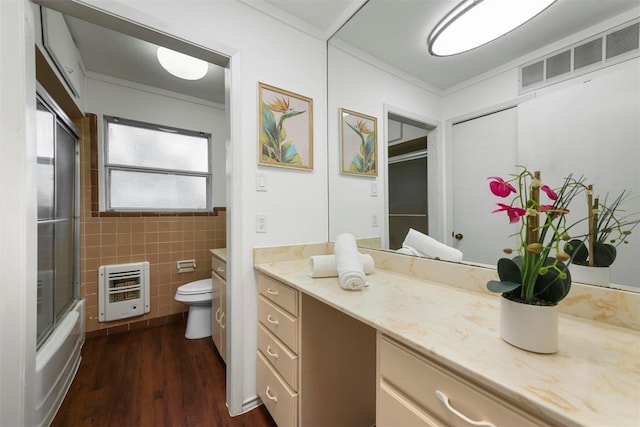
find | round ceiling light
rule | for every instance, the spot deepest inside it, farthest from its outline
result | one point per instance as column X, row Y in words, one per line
column 474, row 23
column 181, row 65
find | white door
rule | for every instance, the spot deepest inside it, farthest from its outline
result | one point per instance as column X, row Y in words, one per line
column 482, row 147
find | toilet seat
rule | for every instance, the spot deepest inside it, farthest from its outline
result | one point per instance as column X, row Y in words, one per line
column 198, row 291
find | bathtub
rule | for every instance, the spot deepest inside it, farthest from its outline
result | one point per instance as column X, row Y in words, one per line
column 57, row 362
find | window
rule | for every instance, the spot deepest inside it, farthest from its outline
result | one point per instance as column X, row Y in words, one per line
column 156, row 168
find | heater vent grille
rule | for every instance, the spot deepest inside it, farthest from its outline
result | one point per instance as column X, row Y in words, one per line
column 123, row 291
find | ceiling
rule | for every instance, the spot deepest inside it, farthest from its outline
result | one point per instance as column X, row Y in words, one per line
column 393, row 31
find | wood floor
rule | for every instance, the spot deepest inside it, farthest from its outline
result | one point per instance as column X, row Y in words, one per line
column 151, row 377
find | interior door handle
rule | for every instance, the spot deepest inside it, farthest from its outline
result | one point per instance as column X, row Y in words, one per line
column 457, row 236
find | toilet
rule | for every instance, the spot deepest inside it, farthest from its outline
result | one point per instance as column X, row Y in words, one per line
column 198, row 295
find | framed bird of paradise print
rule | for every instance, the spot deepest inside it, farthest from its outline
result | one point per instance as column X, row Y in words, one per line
column 286, row 128
column 359, row 143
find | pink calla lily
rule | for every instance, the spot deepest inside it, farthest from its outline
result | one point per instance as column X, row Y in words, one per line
column 499, row 187
column 514, row 213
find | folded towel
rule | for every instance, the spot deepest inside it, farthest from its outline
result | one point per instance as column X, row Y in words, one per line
column 325, row 265
column 407, row 250
column 429, row 247
column 348, row 263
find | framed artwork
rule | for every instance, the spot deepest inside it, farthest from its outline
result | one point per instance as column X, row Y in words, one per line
column 359, row 144
column 286, row 128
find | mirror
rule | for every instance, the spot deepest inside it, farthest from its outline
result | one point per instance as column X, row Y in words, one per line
column 583, row 121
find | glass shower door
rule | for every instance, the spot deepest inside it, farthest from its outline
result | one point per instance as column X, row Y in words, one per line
column 57, row 216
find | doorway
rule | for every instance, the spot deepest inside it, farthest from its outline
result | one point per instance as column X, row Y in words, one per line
column 408, row 172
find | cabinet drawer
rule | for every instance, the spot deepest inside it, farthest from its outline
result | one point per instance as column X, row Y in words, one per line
column 219, row 267
column 281, row 294
column 279, row 322
column 282, row 359
column 279, row 399
column 419, row 379
column 395, row 410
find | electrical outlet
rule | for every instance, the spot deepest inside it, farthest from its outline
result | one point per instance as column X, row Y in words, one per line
column 374, row 219
column 261, row 223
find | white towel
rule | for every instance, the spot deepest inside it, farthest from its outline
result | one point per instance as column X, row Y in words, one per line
column 429, row 247
column 406, row 250
column 348, row 263
column 325, row 265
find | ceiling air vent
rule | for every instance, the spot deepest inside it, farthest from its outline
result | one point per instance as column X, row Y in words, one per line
column 559, row 64
column 588, row 53
column 602, row 50
column 623, row 40
column 533, row 74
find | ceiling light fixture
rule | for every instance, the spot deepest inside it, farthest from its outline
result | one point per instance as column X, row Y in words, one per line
column 181, row 65
column 474, row 23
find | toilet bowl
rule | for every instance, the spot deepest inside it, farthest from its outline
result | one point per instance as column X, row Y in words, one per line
column 198, row 295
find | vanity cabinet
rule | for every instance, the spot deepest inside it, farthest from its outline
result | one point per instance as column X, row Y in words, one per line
column 413, row 390
column 315, row 365
column 219, row 305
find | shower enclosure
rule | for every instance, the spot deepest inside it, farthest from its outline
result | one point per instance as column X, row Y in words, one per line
column 60, row 314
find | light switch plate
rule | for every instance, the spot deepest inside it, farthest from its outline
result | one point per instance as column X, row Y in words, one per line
column 261, row 181
column 374, row 189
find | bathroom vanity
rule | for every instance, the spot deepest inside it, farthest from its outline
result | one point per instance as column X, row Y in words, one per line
column 219, row 300
column 414, row 350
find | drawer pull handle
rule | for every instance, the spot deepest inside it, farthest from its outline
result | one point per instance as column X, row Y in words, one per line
column 274, row 398
column 220, row 269
column 216, row 316
column 444, row 399
column 270, row 353
column 272, row 321
column 272, row 292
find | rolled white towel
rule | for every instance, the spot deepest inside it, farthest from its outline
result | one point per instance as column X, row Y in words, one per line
column 408, row 250
column 348, row 263
column 430, row 247
column 325, row 265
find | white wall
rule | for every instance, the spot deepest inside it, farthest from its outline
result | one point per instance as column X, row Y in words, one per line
column 106, row 95
column 359, row 86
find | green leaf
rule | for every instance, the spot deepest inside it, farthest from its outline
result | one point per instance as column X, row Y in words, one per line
column 550, row 287
column 604, row 254
column 578, row 251
column 357, row 164
column 502, row 286
column 509, row 270
column 290, row 154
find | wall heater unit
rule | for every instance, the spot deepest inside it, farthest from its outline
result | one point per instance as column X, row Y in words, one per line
column 123, row 291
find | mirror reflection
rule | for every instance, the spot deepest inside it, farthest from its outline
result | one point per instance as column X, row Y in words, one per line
column 561, row 95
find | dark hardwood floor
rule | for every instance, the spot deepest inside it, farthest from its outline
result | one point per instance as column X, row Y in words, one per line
column 151, row 377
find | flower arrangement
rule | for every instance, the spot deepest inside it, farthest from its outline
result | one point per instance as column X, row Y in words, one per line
column 534, row 276
column 608, row 228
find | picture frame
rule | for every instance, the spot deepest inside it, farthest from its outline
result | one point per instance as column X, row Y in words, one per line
column 285, row 128
column 358, row 143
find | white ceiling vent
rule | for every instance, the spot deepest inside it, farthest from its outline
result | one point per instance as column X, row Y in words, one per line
column 610, row 47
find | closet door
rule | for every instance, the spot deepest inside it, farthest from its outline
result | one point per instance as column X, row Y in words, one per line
column 482, row 147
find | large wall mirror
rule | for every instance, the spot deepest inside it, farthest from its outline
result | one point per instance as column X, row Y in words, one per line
column 454, row 121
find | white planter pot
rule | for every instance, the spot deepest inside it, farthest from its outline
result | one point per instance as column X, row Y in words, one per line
column 529, row 327
column 590, row 275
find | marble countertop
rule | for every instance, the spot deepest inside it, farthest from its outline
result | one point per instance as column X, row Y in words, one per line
column 220, row 253
column 594, row 378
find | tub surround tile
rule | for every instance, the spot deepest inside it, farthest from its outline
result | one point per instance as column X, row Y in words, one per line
column 592, row 380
